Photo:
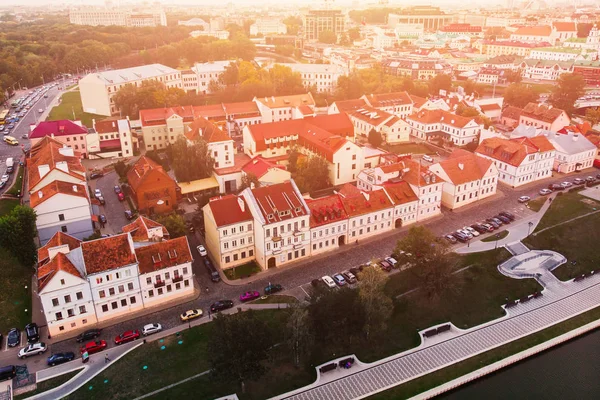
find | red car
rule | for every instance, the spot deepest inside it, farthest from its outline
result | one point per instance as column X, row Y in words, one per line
column 121, row 196
column 93, row 347
column 127, row 336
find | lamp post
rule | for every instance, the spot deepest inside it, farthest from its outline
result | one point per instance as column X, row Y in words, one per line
column 529, row 225
column 497, row 238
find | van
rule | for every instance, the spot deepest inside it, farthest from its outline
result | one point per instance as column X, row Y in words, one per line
column 11, row 140
column 8, row 372
column 10, row 164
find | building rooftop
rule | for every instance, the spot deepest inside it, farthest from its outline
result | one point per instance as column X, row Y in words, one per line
column 57, row 187
column 541, row 112
column 59, row 239
column 46, row 272
column 127, row 75
column 140, row 230
column 107, row 253
column 463, row 166
column 296, row 100
column 165, row 254
column 326, row 210
column 570, row 143
column 142, row 167
column 542, row 30
column 229, row 209
column 49, row 154
column 279, row 202
column 63, row 127
column 513, row 151
column 440, row 116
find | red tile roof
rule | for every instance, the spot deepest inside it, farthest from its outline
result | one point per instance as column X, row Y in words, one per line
column 565, row 26
column 139, row 229
column 281, row 201
column 490, row 107
column 417, row 101
column 107, row 253
column 513, row 151
column 258, row 167
column 228, row 210
column 54, row 188
column 366, row 203
column 106, row 126
column 295, row 100
column 371, row 115
column 543, row 30
column 388, row 99
column 400, row 192
column 349, row 190
column 218, row 112
column 541, row 112
column 59, row 239
column 165, row 254
column 463, row 166
column 512, row 112
column 306, row 110
column 336, row 124
column 209, row 131
column 239, row 162
column 440, row 116
column 62, row 127
column 140, row 170
column 47, row 152
column 60, row 262
column 244, row 109
column 411, row 171
column 326, row 210
column 348, row 106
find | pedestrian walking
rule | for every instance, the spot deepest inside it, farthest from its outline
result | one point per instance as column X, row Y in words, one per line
column 106, row 359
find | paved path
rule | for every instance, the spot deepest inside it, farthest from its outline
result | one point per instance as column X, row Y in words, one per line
column 364, row 380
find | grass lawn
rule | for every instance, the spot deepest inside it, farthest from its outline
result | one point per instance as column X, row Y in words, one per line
column 493, row 238
column 127, row 378
column 18, row 184
column 48, row 384
column 6, row 205
column 405, row 148
column 242, row 271
column 454, row 371
column 15, row 298
column 565, row 206
column 537, row 204
column 71, row 103
column 576, row 240
column 276, row 298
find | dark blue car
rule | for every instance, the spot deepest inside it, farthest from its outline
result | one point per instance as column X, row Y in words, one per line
column 60, row 358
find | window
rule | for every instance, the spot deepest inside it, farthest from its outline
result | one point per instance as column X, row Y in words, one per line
column 61, row 217
column 150, row 293
column 82, row 310
column 118, row 274
column 55, row 302
column 186, row 283
column 130, row 286
column 124, row 303
column 98, row 281
column 169, row 288
column 160, row 291
column 250, row 253
column 177, row 286
column 58, row 316
column 63, row 229
column 79, row 295
column 149, row 281
column 185, row 270
column 167, row 275
column 70, row 312
column 121, row 288
column 132, row 300
column 114, row 305
column 68, row 298
column 102, row 294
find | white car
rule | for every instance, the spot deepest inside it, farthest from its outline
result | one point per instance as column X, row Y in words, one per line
column 5, row 178
column 566, row 184
column 328, row 281
column 466, row 233
column 524, row 199
column 427, row 158
column 32, row 350
column 97, row 193
column 40, row 110
column 472, row 231
column 392, row 261
column 545, row 192
column 151, row 328
column 202, row 251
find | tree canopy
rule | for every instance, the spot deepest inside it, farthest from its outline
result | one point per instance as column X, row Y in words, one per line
column 328, row 37
column 190, row 162
column 593, row 116
column 312, row 174
column 130, row 99
column 375, row 138
column 17, row 233
column 569, row 87
column 519, row 95
column 440, row 82
column 174, row 223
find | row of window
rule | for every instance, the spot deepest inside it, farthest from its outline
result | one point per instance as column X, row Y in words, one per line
column 158, row 278
column 117, row 275
column 112, row 291
column 115, row 304
column 326, row 230
column 169, row 288
column 281, row 229
column 239, row 256
column 367, row 230
column 280, row 243
column 70, row 313
column 234, row 243
column 67, row 298
column 235, row 230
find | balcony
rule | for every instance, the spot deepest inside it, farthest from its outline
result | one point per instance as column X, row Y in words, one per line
column 276, row 238
column 298, row 246
column 276, row 251
column 177, row 279
column 159, row 284
column 298, row 232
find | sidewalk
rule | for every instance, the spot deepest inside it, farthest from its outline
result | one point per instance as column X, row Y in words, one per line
column 516, row 232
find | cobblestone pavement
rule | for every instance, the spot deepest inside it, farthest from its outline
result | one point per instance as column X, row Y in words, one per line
column 114, row 210
column 525, row 319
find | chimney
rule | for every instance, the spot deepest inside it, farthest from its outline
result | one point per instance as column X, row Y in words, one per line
column 40, row 194
column 75, row 188
column 461, row 166
column 575, row 137
column 241, row 204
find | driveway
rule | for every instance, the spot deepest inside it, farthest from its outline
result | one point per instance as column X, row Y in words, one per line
column 114, row 210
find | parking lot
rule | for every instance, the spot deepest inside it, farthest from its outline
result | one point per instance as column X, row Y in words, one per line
column 113, row 208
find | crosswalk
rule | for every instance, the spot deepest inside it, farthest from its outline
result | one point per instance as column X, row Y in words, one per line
column 525, row 319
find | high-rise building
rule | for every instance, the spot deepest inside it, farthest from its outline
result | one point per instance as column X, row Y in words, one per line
column 432, row 18
column 317, row 21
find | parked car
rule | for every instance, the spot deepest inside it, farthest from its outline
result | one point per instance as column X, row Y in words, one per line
column 427, row 158
column 479, row 228
column 545, row 192
column 461, row 237
column 524, row 199
column 117, row 189
column 273, row 288
column 466, row 233
column 354, row 271
column 102, row 218
column 508, row 215
column 13, row 338
column 32, row 350
column 384, row 265
column 590, row 179
column 191, row 314
column 315, row 282
column 578, row 181
column 60, row 358
column 505, row 220
column 97, row 193
column 88, row 335
column 93, row 347
column 566, row 185
column 214, row 274
column 496, row 223
column 472, row 231
column 450, row 239
column 339, row 279
column 349, row 276
column 249, row 296
column 555, row 187
column 150, row 329
column 202, row 251
column 328, row 281
column 121, row 196
column 128, row 214
column 220, row 305
column 598, row 176
column 127, row 336
column 392, row 261
column 96, row 175
column 32, row 332
column 5, row 178
column 101, row 200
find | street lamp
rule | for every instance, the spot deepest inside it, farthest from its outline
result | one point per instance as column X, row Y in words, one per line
column 497, row 238
column 529, row 225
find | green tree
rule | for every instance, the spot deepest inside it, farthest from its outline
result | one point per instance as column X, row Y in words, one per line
column 191, row 161
column 17, row 233
column 293, row 159
column 327, row 37
column 519, row 95
column 440, row 82
column 249, row 181
column 173, row 222
column 513, row 76
column 567, row 90
column 284, row 50
column 375, row 138
column 130, row 99
column 240, row 348
column 299, row 337
column 293, row 24
column 378, row 307
column 593, row 116
column 466, row 111
column 312, row 174
column 121, row 168
column 431, row 261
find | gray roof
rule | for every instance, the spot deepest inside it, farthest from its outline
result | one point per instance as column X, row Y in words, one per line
column 118, row 76
column 569, row 143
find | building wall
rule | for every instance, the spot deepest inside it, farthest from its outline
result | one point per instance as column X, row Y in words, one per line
column 430, row 200
column 74, row 308
column 280, row 245
column 370, row 224
column 397, row 133
column 116, row 292
column 176, row 281
column 158, row 137
column 222, row 152
column 69, row 214
column 94, row 96
column 77, row 142
column 347, row 163
column 154, row 188
column 566, row 163
column 57, row 174
column 535, row 167
column 328, row 237
column 405, row 214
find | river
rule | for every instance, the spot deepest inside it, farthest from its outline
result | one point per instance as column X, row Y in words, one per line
column 569, row 371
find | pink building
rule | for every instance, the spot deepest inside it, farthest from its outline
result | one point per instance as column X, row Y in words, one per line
column 70, row 133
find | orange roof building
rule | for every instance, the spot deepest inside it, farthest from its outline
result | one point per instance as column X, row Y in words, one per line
column 467, row 178
column 397, row 103
column 544, row 117
column 154, row 191
column 283, row 108
column 520, row 160
column 441, row 125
